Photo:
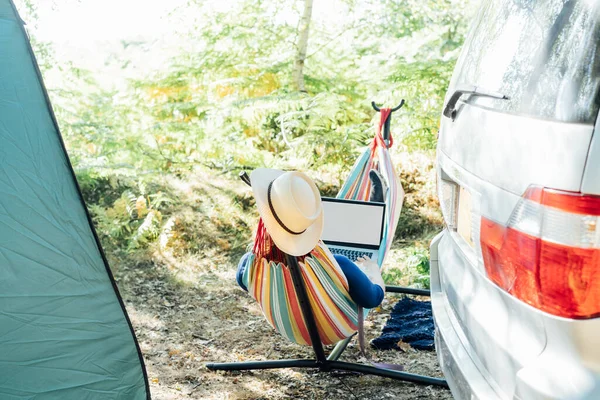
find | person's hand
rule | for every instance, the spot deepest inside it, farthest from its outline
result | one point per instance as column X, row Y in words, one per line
column 370, row 268
column 364, row 260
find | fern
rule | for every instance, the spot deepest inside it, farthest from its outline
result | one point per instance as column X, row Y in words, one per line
column 167, row 233
column 418, row 264
column 130, row 203
column 148, row 231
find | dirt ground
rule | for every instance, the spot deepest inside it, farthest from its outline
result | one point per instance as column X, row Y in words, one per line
column 188, row 311
column 185, row 317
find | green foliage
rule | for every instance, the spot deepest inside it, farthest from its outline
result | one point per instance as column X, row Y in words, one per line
column 393, row 276
column 415, row 48
column 226, row 103
column 316, row 131
column 128, row 215
column 401, row 18
column 418, row 263
column 425, row 83
column 412, row 271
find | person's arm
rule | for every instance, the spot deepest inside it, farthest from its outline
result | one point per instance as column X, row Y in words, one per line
column 363, row 291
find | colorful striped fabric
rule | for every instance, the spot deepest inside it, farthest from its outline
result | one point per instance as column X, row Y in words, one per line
column 358, row 184
column 270, row 283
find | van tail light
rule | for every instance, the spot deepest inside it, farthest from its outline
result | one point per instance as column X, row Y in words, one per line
column 548, row 255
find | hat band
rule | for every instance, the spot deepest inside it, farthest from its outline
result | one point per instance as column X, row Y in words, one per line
column 288, row 230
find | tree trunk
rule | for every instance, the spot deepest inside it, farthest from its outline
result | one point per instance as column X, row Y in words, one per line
column 302, row 45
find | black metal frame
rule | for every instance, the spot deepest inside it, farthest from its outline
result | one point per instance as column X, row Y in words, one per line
column 322, row 362
column 388, row 121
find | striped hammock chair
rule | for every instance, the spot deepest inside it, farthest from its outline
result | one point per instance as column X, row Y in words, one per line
column 358, row 185
column 269, row 281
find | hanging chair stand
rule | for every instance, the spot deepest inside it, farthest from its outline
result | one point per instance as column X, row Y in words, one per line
column 321, row 361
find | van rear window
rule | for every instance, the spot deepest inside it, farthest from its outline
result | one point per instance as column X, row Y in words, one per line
column 544, row 55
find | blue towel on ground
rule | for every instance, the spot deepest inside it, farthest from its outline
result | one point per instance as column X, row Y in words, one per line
column 411, row 322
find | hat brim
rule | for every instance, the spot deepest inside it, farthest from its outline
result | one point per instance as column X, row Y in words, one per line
column 295, row 245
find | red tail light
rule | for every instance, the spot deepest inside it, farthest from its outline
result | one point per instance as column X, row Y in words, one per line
column 548, row 255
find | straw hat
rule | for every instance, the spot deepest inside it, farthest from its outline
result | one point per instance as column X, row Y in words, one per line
column 289, row 204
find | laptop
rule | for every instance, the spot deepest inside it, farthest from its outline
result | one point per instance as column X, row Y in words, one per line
column 353, row 228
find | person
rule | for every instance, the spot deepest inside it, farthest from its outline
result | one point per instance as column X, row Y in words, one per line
column 289, row 204
column 379, row 188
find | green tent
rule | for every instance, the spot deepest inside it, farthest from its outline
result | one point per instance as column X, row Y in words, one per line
column 64, row 331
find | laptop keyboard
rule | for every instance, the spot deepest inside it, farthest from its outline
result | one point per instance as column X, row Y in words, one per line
column 352, row 255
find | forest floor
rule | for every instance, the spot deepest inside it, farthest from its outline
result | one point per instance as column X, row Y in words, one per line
column 187, row 309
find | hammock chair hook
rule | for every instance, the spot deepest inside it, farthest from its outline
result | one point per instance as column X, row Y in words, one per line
column 399, row 106
column 386, row 126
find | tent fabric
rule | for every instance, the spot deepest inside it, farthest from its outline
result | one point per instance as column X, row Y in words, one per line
column 64, row 332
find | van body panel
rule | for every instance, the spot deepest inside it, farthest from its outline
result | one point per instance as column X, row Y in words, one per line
column 513, row 151
column 591, row 177
column 544, row 57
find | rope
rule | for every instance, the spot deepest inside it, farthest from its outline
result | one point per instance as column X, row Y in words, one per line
column 378, row 139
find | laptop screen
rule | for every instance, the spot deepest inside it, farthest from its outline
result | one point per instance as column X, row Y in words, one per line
column 348, row 222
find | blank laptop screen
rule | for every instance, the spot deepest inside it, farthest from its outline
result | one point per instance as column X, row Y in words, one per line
column 355, row 222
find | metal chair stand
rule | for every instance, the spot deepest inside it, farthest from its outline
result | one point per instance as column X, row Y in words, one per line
column 322, row 362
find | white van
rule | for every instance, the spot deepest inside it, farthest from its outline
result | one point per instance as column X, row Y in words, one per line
column 515, row 276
